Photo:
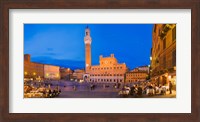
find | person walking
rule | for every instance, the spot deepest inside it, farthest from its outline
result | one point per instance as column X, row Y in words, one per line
column 74, row 87
column 170, row 87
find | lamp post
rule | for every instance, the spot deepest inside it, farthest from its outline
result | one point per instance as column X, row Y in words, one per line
column 149, row 66
column 25, row 74
column 47, row 76
column 34, row 74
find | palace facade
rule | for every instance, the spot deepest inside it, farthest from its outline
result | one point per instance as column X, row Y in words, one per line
column 38, row 71
column 108, row 70
column 31, row 69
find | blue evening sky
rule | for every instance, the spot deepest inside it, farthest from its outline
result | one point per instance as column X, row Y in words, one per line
column 63, row 44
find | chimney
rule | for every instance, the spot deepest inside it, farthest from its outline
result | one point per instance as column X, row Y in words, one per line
column 112, row 55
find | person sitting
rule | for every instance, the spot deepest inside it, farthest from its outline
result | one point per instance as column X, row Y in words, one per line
column 132, row 91
column 139, row 91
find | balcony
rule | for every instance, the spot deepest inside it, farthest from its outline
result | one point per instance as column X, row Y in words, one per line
column 162, row 35
column 165, row 29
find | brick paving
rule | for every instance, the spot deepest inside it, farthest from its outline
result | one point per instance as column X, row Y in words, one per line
column 83, row 91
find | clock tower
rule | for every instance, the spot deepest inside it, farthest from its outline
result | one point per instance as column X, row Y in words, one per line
column 87, row 41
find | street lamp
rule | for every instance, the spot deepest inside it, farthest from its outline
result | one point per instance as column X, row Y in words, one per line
column 47, row 76
column 25, row 73
column 149, row 66
column 34, row 75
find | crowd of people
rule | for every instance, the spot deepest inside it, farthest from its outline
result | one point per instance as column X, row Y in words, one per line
column 35, row 89
column 147, row 88
column 137, row 89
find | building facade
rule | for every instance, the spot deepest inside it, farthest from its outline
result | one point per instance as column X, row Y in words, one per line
column 78, row 74
column 163, row 54
column 108, row 71
column 32, row 70
column 143, row 68
column 38, row 71
column 51, row 72
column 136, row 75
column 66, row 73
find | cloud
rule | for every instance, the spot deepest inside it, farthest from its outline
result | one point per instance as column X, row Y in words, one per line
column 50, row 49
column 62, row 63
column 49, row 54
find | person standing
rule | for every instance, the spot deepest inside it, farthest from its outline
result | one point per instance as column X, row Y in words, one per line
column 170, row 87
column 132, row 91
column 74, row 87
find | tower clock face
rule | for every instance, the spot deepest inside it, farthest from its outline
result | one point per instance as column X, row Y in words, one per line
column 106, row 62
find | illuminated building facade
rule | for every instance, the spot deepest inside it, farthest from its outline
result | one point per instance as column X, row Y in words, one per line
column 38, row 71
column 163, row 54
column 108, row 71
column 78, row 74
column 32, row 70
column 143, row 68
column 66, row 73
column 137, row 75
column 51, row 72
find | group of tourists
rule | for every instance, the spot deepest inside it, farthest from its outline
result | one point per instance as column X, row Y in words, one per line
column 148, row 88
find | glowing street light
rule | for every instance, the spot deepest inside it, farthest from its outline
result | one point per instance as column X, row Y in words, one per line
column 25, row 73
column 169, row 77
